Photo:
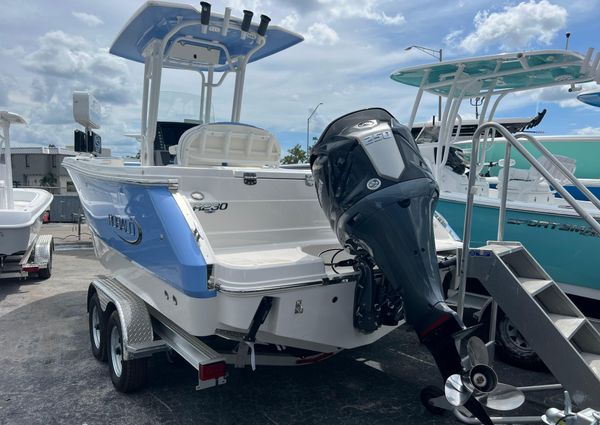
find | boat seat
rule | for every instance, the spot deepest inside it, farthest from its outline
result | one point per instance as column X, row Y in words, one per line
column 525, row 185
column 229, row 144
column 249, row 269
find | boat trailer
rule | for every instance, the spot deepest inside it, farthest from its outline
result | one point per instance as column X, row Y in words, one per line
column 37, row 260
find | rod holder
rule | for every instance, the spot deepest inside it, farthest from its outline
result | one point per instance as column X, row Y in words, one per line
column 246, row 23
column 204, row 16
column 204, row 12
column 225, row 27
column 264, row 24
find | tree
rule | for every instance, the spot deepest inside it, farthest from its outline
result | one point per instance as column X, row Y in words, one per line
column 48, row 180
column 296, row 155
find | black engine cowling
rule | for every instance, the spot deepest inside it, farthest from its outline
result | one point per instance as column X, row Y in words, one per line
column 379, row 196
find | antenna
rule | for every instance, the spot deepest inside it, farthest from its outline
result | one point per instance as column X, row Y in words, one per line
column 476, row 102
column 567, row 37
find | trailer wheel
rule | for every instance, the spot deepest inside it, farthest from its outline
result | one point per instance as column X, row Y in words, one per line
column 97, row 328
column 126, row 375
column 427, row 394
column 513, row 347
column 47, row 272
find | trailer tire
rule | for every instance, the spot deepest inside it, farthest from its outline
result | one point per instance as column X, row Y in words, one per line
column 97, row 328
column 126, row 375
column 513, row 348
column 47, row 272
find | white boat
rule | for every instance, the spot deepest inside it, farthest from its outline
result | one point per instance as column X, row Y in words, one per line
column 208, row 236
column 21, row 209
column 207, row 224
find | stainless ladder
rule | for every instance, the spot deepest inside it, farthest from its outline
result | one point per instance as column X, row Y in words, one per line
column 557, row 331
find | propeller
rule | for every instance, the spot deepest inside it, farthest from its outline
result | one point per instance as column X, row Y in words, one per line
column 480, row 383
column 504, row 397
column 477, row 351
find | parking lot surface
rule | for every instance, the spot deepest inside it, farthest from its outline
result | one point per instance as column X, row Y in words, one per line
column 48, row 374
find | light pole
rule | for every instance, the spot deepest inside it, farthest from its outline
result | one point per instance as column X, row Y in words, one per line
column 438, row 55
column 308, row 126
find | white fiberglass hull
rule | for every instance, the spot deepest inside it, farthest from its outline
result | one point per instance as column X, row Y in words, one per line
column 204, row 245
column 19, row 226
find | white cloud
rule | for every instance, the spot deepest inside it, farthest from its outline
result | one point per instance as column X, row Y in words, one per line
column 367, row 9
column 322, row 34
column 59, row 64
column 516, row 26
column 452, row 38
column 290, row 22
column 78, row 64
column 88, row 19
column 560, row 95
column 588, row 131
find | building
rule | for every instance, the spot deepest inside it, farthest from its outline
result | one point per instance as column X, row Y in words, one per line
column 41, row 167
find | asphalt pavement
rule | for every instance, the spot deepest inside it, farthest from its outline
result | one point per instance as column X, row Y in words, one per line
column 48, row 374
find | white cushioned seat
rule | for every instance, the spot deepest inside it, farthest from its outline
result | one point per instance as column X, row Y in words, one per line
column 228, row 144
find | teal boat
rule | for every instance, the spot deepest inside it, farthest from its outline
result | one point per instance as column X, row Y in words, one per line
column 563, row 242
column 585, row 150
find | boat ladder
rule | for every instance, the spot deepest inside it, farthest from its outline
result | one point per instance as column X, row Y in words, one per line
column 555, row 328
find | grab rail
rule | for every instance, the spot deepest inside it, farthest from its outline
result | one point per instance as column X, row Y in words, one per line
column 511, row 141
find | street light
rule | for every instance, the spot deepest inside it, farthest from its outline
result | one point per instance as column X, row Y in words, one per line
column 308, row 125
column 438, row 55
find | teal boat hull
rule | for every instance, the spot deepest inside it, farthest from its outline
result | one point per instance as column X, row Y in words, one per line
column 565, row 246
column 584, row 149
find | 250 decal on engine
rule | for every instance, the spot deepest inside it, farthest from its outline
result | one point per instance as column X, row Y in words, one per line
column 210, row 207
column 376, row 137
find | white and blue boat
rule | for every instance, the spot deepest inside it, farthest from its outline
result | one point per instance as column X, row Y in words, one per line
column 206, row 226
column 564, row 244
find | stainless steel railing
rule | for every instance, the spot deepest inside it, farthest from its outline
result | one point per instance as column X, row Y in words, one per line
column 511, row 141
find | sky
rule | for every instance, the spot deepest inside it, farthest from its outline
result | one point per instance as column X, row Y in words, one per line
column 48, row 49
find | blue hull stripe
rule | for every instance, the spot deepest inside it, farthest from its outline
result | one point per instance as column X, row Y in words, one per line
column 145, row 224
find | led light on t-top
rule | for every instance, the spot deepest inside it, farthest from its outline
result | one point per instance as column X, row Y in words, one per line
column 21, row 209
column 207, row 230
column 565, row 244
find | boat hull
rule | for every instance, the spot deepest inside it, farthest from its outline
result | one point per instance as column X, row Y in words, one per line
column 20, row 226
column 143, row 237
column 584, row 149
column 564, row 245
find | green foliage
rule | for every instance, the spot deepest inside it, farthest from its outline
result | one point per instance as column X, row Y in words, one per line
column 295, row 155
column 49, row 180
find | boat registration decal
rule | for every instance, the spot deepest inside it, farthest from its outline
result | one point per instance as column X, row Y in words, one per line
column 582, row 230
column 126, row 228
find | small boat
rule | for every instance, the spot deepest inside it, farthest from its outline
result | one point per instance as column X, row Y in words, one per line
column 564, row 244
column 21, row 209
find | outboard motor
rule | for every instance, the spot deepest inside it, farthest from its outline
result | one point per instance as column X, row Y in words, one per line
column 379, row 196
